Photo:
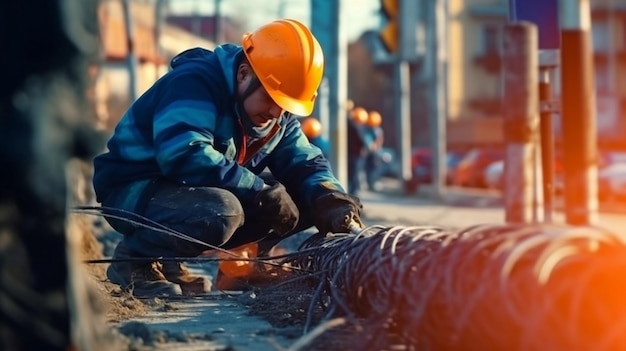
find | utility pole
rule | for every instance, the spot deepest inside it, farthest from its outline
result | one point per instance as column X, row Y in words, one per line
column 520, row 118
column 159, row 18
column 545, row 15
column 328, row 26
column 436, row 59
column 321, row 110
column 408, row 11
column 196, row 20
column 217, row 22
column 578, row 114
column 131, row 56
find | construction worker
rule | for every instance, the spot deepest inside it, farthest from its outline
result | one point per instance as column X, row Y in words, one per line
column 312, row 128
column 188, row 154
column 359, row 142
column 373, row 159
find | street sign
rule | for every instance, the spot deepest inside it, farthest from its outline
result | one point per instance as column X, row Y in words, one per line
column 544, row 14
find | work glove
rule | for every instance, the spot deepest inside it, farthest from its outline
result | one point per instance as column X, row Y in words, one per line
column 277, row 210
column 337, row 212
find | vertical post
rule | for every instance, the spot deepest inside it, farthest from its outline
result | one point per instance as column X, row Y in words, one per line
column 547, row 141
column 217, row 24
column 159, row 18
column 328, row 27
column 131, row 57
column 321, row 110
column 196, row 20
column 544, row 14
column 402, row 91
column 437, row 17
column 578, row 114
column 520, row 118
column 402, row 85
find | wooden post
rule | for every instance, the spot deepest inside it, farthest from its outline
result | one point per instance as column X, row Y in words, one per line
column 521, row 119
column 578, row 114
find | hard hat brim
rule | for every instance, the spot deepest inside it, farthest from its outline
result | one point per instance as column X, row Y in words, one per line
column 291, row 105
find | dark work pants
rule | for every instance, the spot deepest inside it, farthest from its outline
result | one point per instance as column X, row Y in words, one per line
column 372, row 169
column 355, row 168
column 211, row 215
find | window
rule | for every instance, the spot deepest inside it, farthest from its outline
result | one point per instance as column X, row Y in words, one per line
column 491, row 39
column 600, row 36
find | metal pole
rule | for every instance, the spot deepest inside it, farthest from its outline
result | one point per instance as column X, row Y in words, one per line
column 196, row 20
column 520, row 118
column 402, row 91
column 322, row 108
column 328, row 26
column 578, row 114
column 131, row 58
column 547, row 142
column 402, row 85
column 217, row 18
column 159, row 18
column 612, row 50
column 438, row 104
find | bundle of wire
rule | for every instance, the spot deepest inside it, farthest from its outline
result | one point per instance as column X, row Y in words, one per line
column 487, row 287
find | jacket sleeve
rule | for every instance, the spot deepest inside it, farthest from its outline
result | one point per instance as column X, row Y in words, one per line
column 301, row 166
column 185, row 121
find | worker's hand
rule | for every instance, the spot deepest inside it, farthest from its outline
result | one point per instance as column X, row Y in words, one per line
column 337, row 212
column 277, row 209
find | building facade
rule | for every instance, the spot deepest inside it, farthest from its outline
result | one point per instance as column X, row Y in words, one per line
column 155, row 42
column 474, row 81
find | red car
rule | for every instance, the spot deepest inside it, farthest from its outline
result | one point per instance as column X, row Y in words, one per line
column 470, row 171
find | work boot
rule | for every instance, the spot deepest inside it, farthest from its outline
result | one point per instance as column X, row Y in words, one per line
column 190, row 284
column 142, row 279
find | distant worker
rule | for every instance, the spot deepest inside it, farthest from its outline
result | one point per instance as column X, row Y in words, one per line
column 189, row 155
column 373, row 160
column 312, row 128
column 358, row 144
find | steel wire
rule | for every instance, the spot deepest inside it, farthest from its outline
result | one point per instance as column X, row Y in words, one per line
column 486, row 287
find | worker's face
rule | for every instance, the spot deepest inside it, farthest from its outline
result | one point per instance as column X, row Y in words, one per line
column 259, row 105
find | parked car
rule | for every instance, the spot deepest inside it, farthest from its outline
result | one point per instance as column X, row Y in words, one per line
column 611, row 175
column 612, row 182
column 454, row 158
column 494, row 175
column 389, row 163
column 422, row 167
column 422, row 164
column 470, row 171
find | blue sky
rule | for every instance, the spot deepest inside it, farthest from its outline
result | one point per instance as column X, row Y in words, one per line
column 361, row 14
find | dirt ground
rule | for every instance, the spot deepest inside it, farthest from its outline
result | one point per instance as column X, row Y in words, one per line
column 265, row 318
column 275, row 315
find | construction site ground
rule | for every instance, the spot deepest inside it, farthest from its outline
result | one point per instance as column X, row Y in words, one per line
column 245, row 321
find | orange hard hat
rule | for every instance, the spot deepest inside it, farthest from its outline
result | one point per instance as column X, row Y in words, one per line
column 359, row 115
column 374, row 119
column 311, row 127
column 289, row 63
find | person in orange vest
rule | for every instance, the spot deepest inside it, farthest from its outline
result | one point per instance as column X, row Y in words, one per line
column 312, row 128
column 190, row 152
column 375, row 132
